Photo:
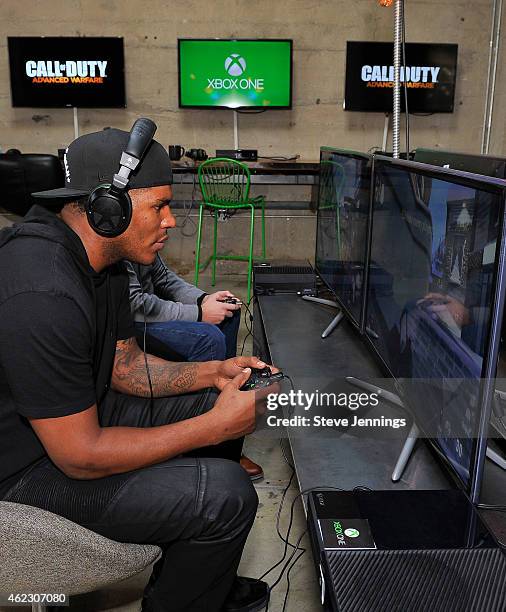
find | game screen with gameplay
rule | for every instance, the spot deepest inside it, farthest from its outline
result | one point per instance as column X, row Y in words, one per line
column 342, row 225
column 430, row 295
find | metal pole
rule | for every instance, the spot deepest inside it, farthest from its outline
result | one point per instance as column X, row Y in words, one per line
column 76, row 124
column 397, row 81
column 385, row 132
column 495, row 36
column 236, row 132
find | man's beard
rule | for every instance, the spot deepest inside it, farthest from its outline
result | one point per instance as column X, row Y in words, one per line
column 114, row 251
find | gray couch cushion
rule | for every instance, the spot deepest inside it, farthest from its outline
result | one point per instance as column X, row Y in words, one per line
column 41, row 552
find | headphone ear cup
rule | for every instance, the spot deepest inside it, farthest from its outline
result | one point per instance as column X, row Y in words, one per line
column 109, row 214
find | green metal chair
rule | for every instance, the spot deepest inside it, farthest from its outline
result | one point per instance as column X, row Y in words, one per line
column 225, row 185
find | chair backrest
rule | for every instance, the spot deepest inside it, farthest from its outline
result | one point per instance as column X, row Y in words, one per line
column 23, row 173
column 42, row 552
column 224, row 182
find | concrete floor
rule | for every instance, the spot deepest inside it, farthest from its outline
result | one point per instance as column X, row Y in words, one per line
column 264, row 547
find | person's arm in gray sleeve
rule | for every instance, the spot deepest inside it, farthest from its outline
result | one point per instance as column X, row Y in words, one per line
column 144, row 303
column 169, row 286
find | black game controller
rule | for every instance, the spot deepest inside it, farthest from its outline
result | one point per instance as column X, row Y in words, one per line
column 260, row 378
column 230, row 300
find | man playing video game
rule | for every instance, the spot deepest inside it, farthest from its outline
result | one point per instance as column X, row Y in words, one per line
column 87, row 430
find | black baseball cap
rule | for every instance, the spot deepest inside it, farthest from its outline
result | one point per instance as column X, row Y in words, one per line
column 93, row 159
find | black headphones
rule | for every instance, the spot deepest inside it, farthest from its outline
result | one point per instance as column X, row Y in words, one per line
column 109, row 207
column 196, row 154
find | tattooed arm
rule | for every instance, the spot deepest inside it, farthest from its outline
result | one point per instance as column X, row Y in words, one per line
column 129, row 373
column 83, row 449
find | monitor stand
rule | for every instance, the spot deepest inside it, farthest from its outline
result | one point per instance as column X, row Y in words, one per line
column 494, row 451
column 414, row 432
column 335, row 321
column 495, row 454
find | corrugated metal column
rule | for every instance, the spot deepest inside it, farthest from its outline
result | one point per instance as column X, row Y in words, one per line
column 397, row 81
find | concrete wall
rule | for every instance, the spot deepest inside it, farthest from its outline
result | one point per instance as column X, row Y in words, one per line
column 320, row 31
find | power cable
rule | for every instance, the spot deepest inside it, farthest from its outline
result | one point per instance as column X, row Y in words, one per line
column 249, row 327
column 296, row 546
column 151, row 400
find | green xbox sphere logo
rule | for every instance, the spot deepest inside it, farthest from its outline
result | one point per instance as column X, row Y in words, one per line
column 235, row 65
column 352, row 533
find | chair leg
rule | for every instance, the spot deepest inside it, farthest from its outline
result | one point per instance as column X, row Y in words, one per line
column 251, row 243
column 197, row 248
column 213, row 275
column 263, row 230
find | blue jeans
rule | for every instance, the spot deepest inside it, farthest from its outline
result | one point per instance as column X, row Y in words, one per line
column 195, row 341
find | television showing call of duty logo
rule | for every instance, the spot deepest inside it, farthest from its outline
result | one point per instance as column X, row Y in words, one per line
column 55, row 72
column 429, row 73
column 235, row 73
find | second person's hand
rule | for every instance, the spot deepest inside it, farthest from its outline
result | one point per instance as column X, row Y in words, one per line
column 214, row 310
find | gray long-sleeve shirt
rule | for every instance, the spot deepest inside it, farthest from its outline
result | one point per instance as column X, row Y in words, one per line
column 161, row 294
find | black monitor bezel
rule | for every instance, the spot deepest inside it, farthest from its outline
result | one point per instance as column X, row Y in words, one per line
column 460, row 156
column 496, row 186
column 359, row 325
column 63, row 39
column 218, row 106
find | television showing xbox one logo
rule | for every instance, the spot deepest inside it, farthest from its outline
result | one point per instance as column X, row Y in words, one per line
column 245, row 73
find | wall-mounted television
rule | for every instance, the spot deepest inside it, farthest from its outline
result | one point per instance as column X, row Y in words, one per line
column 64, row 71
column 429, row 74
column 245, row 73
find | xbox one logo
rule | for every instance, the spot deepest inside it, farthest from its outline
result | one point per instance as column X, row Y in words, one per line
column 235, row 65
column 352, row 533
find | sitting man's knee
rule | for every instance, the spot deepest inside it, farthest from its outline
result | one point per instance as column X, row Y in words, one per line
column 231, row 490
column 216, row 338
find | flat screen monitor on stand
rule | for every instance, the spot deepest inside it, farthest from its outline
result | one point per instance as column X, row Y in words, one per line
column 435, row 300
column 488, row 165
column 342, row 231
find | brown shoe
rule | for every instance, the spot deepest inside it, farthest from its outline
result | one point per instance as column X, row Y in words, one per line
column 253, row 470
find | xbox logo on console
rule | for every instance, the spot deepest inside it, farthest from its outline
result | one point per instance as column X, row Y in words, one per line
column 352, row 533
column 235, row 65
